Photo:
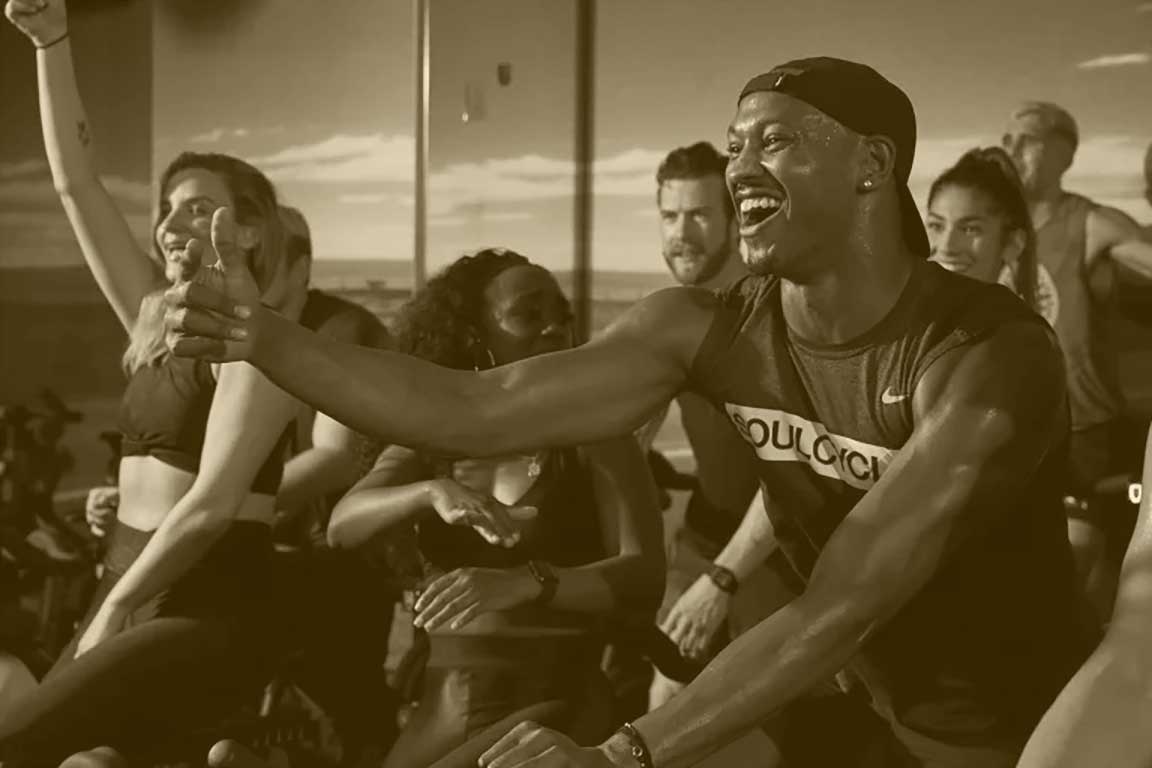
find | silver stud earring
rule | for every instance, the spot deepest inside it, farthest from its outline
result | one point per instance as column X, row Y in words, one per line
column 867, row 183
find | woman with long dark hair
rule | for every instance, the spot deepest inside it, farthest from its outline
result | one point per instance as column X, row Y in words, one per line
column 978, row 225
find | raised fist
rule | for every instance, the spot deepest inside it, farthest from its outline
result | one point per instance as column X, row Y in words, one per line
column 43, row 21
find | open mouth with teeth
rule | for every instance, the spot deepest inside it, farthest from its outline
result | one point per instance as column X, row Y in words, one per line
column 754, row 211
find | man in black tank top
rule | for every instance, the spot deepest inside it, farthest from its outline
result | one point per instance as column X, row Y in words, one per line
column 1088, row 252
column 909, row 425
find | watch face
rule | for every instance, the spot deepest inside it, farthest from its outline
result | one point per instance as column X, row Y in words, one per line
column 541, row 571
column 723, row 578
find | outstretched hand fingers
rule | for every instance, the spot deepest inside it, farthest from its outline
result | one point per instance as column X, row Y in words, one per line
column 528, row 744
column 197, row 325
column 199, row 296
column 443, row 598
column 494, row 521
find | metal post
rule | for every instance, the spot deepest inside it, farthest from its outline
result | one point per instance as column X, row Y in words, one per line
column 422, row 12
column 584, row 154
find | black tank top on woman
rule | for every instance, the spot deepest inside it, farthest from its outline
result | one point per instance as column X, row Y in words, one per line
column 164, row 414
column 987, row 644
column 565, row 532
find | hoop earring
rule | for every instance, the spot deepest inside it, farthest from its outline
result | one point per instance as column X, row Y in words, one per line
column 491, row 360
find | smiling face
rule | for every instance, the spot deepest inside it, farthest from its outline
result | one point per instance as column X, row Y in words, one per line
column 966, row 232
column 188, row 202
column 791, row 173
column 526, row 314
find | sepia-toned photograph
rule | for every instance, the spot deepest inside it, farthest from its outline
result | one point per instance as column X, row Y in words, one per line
column 575, row 384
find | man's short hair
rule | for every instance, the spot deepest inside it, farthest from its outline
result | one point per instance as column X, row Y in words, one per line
column 1057, row 120
column 697, row 161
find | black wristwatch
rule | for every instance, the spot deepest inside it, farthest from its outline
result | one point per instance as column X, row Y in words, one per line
column 723, row 578
column 546, row 578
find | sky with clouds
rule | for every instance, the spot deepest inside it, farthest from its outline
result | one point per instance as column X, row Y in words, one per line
column 320, row 95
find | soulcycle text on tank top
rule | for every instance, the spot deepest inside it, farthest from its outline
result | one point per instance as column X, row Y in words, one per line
column 781, row 436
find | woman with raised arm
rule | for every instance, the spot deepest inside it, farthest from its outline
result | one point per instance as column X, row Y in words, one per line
column 568, row 537
column 180, row 629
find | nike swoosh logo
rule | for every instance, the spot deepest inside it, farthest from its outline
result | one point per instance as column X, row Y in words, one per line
column 888, row 397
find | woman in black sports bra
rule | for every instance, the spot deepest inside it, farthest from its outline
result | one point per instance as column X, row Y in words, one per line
column 180, row 629
column 525, row 557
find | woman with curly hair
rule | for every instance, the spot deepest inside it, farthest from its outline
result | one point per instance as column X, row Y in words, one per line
column 524, row 557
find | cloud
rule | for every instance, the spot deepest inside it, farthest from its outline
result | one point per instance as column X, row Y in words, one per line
column 1116, row 60
column 487, row 217
column 368, row 198
column 632, row 161
column 507, row 216
column 344, row 158
column 19, row 168
column 216, row 135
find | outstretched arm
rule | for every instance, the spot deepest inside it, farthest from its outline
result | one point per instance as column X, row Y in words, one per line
column 603, row 389
column 1102, row 716
column 122, row 270
column 985, row 418
column 1113, row 234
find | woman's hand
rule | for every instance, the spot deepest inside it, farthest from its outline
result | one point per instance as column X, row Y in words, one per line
column 100, row 509
column 107, row 622
column 529, row 745
column 457, row 597
column 43, row 21
column 457, row 504
column 695, row 618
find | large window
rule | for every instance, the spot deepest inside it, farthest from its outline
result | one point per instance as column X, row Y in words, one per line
column 321, row 101
column 501, row 129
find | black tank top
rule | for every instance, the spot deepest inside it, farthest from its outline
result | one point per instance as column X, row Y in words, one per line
column 992, row 638
column 726, row 472
column 164, row 414
column 565, row 532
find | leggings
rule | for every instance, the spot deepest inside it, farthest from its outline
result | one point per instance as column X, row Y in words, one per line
column 476, row 689
column 202, row 649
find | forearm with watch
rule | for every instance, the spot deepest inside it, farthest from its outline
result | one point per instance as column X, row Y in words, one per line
column 746, row 551
column 599, row 588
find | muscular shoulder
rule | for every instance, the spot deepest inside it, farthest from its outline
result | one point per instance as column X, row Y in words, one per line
column 1107, row 226
column 1015, row 366
column 342, row 320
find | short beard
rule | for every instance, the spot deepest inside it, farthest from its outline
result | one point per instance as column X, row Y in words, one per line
column 713, row 264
